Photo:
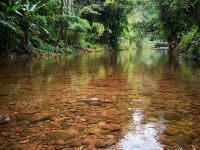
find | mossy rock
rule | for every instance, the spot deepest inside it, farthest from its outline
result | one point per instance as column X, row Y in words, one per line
column 170, row 116
column 182, row 139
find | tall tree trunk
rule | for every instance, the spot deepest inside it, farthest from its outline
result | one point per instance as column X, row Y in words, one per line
column 61, row 23
column 61, row 7
column 66, row 27
column 172, row 42
column 72, row 6
column 67, row 5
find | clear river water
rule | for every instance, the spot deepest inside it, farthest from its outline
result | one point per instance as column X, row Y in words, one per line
column 128, row 100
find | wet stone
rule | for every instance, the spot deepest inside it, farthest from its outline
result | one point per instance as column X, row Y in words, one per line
column 110, row 136
column 83, row 120
column 92, row 101
column 111, row 126
column 18, row 147
column 88, row 141
column 191, row 134
column 62, row 134
column 171, row 131
column 72, row 110
column 79, row 127
column 53, row 125
column 101, row 144
column 171, row 116
column 25, row 141
column 164, row 140
column 4, row 119
column 60, row 142
column 73, row 143
column 182, row 139
column 95, row 130
column 146, row 94
column 40, row 117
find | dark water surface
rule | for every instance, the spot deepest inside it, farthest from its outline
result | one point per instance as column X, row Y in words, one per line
column 130, row 100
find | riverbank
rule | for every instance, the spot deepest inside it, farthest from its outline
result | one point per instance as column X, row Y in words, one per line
column 36, row 52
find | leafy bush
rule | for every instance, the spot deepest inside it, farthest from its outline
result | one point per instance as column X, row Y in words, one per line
column 47, row 47
column 193, row 53
column 68, row 50
column 97, row 30
column 90, row 10
column 187, row 38
column 36, row 42
column 61, row 43
column 9, row 32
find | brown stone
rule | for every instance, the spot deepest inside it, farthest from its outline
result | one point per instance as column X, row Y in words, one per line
column 24, row 141
column 18, row 147
column 182, row 139
column 53, row 125
column 62, row 134
column 110, row 136
column 74, row 143
column 171, row 131
column 92, row 101
column 191, row 134
column 88, row 141
column 95, row 131
column 100, row 144
column 111, row 126
column 73, row 110
column 79, row 127
column 83, row 120
column 40, row 117
column 108, row 114
column 60, row 142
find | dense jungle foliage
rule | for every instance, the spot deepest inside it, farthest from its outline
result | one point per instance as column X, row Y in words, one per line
column 64, row 26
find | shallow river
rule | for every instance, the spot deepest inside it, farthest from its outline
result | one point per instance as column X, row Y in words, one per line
column 130, row 100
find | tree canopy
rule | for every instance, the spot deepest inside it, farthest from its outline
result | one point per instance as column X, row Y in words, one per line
column 35, row 26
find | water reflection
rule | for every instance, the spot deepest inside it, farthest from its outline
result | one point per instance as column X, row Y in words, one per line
column 160, row 93
column 143, row 136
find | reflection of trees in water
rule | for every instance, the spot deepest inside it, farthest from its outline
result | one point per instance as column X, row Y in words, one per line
column 38, row 71
column 76, row 63
column 177, row 90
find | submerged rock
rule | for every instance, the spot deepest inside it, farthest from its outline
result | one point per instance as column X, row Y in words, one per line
column 182, row 139
column 95, row 130
column 146, row 94
column 60, row 142
column 40, row 117
column 79, row 127
column 4, row 119
column 88, row 141
column 110, row 126
column 110, row 136
column 92, row 101
column 191, row 134
column 96, row 101
column 101, row 144
column 62, row 134
column 171, row 116
column 171, row 131
column 24, row 141
column 18, row 147
column 53, row 125
column 109, row 114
